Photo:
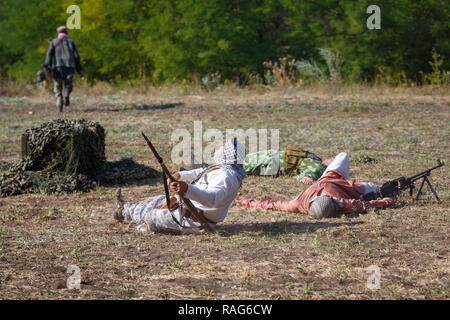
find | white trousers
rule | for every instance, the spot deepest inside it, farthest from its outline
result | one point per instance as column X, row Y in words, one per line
column 341, row 163
column 147, row 215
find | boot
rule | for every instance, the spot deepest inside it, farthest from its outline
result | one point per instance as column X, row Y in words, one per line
column 59, row 103
column 118, row 210
column 67, row 101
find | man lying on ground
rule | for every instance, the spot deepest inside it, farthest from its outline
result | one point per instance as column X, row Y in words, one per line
column 331, row 195
column 286, row 161
column 212, row 190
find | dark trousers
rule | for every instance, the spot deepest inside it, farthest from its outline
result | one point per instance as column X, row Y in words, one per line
column 62, row 78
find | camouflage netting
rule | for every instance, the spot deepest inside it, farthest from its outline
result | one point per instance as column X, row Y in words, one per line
column 63, row 156
column 69, row 146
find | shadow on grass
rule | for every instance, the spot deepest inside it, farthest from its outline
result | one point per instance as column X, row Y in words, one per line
column 132, row 183
column 276, row 228
column 143, row 107
column 127, row 172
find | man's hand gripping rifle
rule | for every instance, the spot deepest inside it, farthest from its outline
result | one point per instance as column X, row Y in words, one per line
column 166, row 174
column 394, row 187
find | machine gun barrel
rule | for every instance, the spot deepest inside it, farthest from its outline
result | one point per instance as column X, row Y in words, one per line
column 393, row 187
column 425, row 173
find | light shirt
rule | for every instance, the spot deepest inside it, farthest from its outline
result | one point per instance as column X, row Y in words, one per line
column 213, row 193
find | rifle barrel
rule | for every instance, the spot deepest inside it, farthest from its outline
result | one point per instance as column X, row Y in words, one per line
column 158, row 157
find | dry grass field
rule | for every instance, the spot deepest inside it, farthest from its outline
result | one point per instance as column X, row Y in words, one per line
column 253, row 254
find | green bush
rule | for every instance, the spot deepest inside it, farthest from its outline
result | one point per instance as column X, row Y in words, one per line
column 170, row 41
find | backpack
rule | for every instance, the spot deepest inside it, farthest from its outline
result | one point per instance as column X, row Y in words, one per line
column 293, row 157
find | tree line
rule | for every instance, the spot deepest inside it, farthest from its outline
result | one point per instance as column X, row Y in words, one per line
column 176, row 40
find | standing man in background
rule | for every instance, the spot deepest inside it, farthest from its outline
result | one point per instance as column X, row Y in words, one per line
column 62, row 60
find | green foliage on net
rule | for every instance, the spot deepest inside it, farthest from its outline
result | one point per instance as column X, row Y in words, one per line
column 60, row 156
column 63, row 156
column 69, row 146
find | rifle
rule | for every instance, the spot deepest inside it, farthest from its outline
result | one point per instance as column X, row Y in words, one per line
column 393, row 187
column 189, row 205
column 49, row 71
column 47, row 67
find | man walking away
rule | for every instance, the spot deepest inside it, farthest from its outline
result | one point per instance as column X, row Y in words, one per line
column 62, row 60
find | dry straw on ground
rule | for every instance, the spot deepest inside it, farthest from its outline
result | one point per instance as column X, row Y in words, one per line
column 254, row 254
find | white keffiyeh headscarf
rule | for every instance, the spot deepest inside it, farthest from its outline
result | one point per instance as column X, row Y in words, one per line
column 232, row 158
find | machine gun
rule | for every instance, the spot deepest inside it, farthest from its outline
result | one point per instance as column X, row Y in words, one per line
column 393, row 187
